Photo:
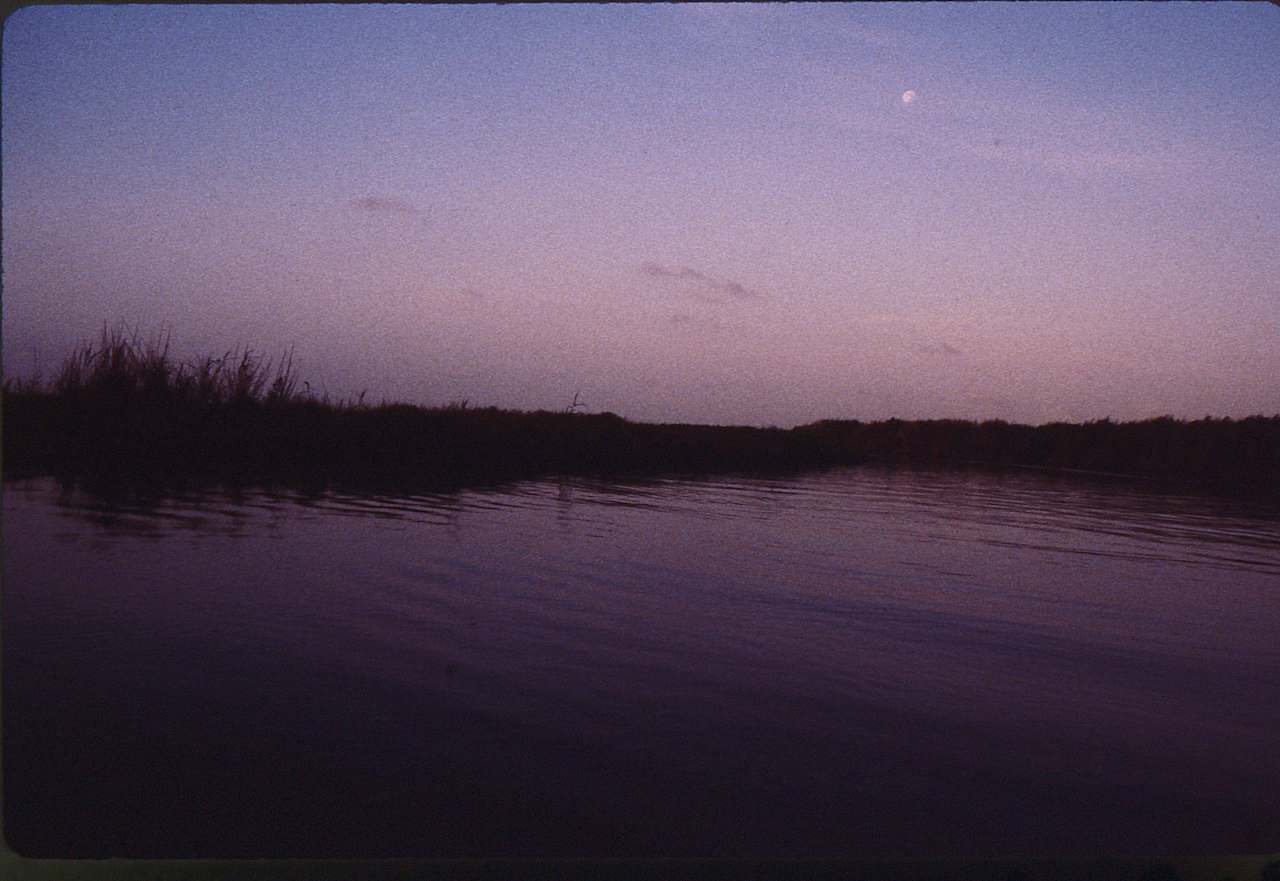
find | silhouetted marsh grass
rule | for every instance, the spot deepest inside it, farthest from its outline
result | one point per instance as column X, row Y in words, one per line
column 123, row 369
column 124, row 407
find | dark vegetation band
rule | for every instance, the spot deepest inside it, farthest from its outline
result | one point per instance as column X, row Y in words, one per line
column 125, row 407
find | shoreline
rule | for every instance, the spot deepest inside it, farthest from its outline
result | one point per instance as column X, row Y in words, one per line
column 124, row 410
column 314, row 443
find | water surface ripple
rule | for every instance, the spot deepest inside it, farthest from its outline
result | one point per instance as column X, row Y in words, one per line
column 858, row 662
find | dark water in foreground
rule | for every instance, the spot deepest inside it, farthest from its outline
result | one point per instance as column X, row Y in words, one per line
column 856, row 663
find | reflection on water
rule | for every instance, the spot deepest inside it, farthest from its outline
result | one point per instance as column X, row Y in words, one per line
column 857, row 662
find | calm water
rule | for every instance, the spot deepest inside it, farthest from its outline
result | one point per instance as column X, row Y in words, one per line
column 852, row 663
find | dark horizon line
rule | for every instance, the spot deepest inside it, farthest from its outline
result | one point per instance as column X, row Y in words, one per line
column 29, row 387
column 125, row 408
column 122, row 348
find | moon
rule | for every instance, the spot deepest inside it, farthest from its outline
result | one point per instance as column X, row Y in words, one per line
column 908, row 96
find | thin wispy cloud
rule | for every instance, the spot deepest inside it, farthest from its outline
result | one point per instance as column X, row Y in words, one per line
column 1085, row 160
column 385, row 205
column 941, row 348
column 660, row 271
column 1060, row 135
column 733, row 289
column 1049, row 132
column 728, row 287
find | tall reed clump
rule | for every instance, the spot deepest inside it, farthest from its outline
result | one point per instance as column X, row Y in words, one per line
column 124, row 369
column 123, row 402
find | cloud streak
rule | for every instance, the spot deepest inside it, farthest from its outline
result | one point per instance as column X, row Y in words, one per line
column 384, row 205
column 733, row 289
column 941, row 348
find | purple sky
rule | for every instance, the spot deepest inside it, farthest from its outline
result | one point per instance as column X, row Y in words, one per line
column 691, row 213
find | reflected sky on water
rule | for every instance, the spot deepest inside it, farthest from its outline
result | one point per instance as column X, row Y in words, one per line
column 847, row 663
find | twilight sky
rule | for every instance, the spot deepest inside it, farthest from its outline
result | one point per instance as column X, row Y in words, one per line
column 711, row 213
